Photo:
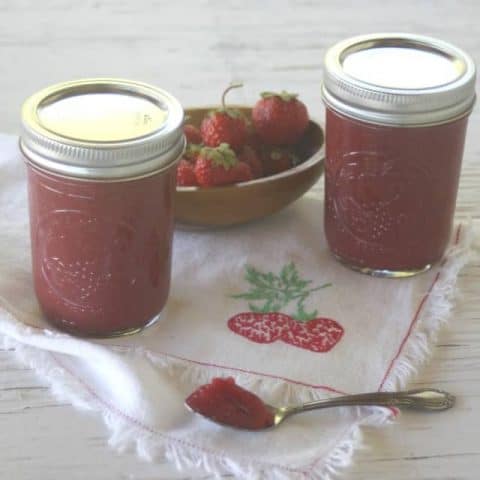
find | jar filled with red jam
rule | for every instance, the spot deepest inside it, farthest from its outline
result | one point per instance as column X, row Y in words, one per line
column 396, row 117
column 101, row 157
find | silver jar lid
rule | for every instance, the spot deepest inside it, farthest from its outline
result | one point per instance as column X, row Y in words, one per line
column 102, row 129
column 399, row 79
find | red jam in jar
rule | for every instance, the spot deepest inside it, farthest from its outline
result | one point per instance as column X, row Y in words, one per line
column 396, row 117
column 101, row 157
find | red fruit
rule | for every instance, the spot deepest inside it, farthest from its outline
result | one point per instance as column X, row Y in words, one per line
column 243, row 172
column 192, row 134
column 260, row 327
column 225, row 402
column 276, row 160
column 215, row 166
column 280, row 118
column 225, row 125
column 253, row 140
column 251, row 158
column 186, row 174
column 222, row 127
column 309, row 144
column 317, row 335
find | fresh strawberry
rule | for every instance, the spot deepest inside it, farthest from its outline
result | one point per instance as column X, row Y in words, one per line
column 215, row 166
column 317, row 335
column 243, row 172
column 276, row 160
column 260, row 327
column 192, row 134
column 309, row 143
column 253, row 139
column 251, row 157
column 280, row 118
column 225, row 125
column 186, row 174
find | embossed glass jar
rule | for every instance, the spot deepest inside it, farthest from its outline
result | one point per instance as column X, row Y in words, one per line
column 101, row 157
column 396, row 117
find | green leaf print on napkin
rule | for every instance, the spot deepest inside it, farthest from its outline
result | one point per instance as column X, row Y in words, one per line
column 272, row 293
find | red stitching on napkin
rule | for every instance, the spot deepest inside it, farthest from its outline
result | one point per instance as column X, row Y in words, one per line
column 151, row 430
column 394, row 410
column 304, row 384
column 250, row 372
column 417, row 314
column 305, row 473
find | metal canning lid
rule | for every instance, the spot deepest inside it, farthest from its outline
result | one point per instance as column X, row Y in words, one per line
column 399, row 79
column 102, row 129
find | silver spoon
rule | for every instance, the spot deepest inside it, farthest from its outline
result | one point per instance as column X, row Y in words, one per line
column 421, row 399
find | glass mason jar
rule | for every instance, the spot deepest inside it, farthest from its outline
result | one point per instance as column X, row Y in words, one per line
column 101, row 157
column 396, row 118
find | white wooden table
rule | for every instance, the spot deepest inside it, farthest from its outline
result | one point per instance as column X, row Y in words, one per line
column 194, row 49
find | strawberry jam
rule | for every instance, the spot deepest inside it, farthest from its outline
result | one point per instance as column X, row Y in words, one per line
column 101, row 251
column 101, row 156
column 390, row 192
column 225, row 402
column 397, row 108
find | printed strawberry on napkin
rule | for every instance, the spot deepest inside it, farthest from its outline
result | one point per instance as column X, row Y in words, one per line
column 264, row 303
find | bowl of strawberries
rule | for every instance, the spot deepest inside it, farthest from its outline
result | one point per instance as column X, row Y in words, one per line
column 244, row 163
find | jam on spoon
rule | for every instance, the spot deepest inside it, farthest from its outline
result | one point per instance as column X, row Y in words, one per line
column 225, row 403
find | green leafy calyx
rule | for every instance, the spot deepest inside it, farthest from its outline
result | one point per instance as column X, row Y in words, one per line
column 192, row 150
column 231, row 112
column 222, row 155
column 285, row 96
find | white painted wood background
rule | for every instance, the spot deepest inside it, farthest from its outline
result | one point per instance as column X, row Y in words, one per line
column 194, row 49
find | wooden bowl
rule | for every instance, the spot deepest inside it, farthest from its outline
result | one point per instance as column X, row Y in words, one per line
column 244, row 202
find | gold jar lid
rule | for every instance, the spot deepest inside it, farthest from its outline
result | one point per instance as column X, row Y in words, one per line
column 102, row 129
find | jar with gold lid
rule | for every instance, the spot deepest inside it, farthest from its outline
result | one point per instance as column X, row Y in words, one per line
column 101, row 157
column 397, row 107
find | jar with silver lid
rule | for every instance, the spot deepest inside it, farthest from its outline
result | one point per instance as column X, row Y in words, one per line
column 396, row 115
column 101, row 158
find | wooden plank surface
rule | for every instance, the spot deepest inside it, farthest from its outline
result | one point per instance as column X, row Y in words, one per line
column 193, row 49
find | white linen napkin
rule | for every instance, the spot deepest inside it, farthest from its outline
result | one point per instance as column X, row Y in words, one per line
column 334, row 332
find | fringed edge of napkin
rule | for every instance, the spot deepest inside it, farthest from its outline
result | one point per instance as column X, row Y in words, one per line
column 149, row 444
column 436, row 311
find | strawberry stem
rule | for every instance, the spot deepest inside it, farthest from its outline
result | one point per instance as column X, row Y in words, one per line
column 230, row 87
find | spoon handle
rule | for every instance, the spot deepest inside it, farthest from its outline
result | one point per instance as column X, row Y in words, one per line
column 421, row 399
